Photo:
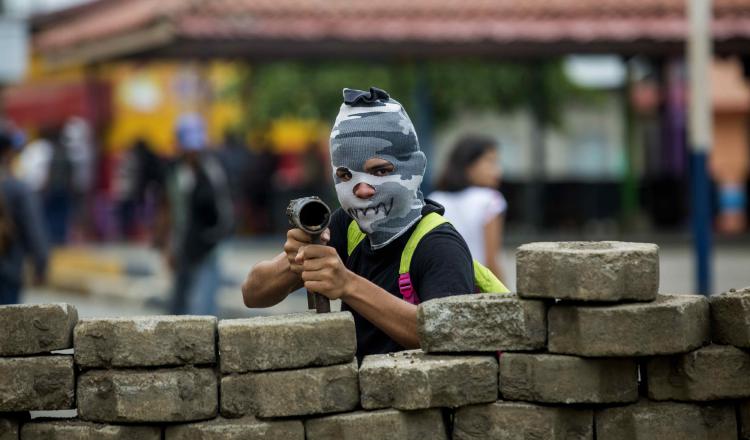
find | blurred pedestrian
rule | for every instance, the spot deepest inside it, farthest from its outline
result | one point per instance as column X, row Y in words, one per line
column 237, row 159
column 200, row 218
column 58, row 191
column 34, row 159
column 139, row 183
column 468, row 189
column 21, row 230
column 77, row 140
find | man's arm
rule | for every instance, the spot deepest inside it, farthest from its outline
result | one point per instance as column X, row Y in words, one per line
column 325, row 273
column 394, row 316
column 493, row 234
column 269, row 282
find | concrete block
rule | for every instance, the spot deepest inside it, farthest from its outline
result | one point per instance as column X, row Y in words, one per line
column 714, row 372
column 308, row 391
column 149, row 341
column 80, row 430
column 730, row 318
column 522, row 421
column 555, row 378
column 9, row 428
column 36, row 328
column 37, row 383
column 743, row 414
column 415, row 380
column 286, row 341
column 481, row 322
column 384, row 424
column 237, row 429
column 647, row 420
column 135, row 396
column 588, row 271
column 670, row 324
column 238, row 395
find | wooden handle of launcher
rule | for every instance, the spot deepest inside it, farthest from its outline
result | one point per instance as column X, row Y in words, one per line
column 316, row 301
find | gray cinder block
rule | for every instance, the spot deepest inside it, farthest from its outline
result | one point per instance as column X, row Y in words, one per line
column 37, row 383
column 522, row 421
column 554, row 378
column 415, row 380
column 80, row 430
column 383, row 424
column 149, row 341
column 730, row 318
column 237, row 429
column 588, row 271
column 134, row 396
column 36, row 328
column 714, row 372
column 481, row 322
column 287, row 341
column 662, row 420
column 289, row 393
column 670, row 324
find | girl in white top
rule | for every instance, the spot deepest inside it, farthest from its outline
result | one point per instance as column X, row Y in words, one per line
column 467, row 188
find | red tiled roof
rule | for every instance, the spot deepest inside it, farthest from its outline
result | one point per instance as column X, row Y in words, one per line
column 399, row 21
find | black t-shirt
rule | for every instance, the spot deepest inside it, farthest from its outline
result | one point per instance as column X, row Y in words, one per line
column 441, row 266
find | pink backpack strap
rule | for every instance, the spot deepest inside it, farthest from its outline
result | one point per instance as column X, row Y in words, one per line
column 407, row 289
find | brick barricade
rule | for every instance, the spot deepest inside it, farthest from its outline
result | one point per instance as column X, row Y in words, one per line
column 587, row 349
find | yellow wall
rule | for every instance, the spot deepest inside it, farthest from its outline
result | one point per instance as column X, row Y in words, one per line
column 148, row 99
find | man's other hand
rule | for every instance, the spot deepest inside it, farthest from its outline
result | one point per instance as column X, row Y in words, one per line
column 323, row 271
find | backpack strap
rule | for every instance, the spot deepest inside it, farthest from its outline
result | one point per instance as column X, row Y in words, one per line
column 486, row 281
column 354, row 237
column 425, row 225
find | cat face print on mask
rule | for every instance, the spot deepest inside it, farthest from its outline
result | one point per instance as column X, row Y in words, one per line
column 372, row 125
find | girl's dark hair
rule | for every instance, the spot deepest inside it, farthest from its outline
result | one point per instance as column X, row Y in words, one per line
column 466, row 151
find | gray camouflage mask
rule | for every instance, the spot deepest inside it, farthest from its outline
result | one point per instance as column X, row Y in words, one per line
column 372, row 125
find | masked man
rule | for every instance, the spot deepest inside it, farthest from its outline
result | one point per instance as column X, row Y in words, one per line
column 378, row 168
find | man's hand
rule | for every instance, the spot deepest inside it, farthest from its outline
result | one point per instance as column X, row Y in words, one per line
column 323, row 271
column 295, row 240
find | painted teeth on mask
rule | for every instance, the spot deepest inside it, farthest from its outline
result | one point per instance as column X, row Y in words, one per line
column 362, row 212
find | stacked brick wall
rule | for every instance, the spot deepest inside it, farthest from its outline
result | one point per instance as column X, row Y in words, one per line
column 587, row 349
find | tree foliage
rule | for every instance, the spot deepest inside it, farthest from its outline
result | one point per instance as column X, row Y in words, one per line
column 312, row 90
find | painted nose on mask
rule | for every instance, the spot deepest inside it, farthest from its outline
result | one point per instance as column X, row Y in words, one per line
column 364, row 190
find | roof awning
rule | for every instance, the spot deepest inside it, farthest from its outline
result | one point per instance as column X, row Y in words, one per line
column 110, row 29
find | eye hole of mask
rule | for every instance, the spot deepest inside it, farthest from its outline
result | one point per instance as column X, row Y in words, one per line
column 378, row 167
column 344, row 174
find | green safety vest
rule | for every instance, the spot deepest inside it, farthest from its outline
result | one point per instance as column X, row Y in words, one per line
column 484, row 279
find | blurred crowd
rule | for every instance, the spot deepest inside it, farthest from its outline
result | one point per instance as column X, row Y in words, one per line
column 89, row 194
column 59, row 187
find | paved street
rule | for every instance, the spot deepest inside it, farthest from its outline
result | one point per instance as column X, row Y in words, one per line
column 144, row 294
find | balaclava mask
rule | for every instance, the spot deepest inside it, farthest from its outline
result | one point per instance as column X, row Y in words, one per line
column 372, row 125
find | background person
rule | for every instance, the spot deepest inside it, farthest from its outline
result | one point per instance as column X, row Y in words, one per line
column 200, row 217
column 467, row 188
column 21, row 229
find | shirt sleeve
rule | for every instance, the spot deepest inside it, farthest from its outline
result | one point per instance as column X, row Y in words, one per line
column 495, row 205
column 442, row 265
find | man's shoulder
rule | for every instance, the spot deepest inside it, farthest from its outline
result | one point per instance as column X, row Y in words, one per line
column 441, row 242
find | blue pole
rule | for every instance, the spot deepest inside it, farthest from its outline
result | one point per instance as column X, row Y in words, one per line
column 699, row 53
column 701, row 219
